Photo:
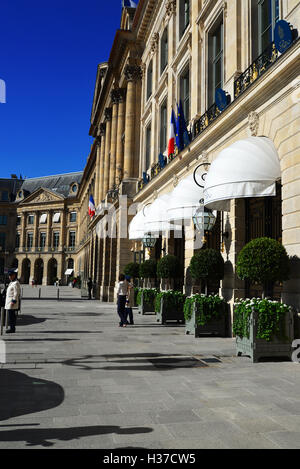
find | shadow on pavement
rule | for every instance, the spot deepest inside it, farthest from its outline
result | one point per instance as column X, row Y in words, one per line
column 138, row 362
column 41, row 436
column 26, row 320
column 20, row 394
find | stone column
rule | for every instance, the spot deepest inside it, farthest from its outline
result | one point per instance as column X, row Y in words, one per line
column 108, row 116
column 120, row 133
column 35, row 231
column 23, row 231
column 97, row 172
column 49, row 222
column 132, row 74
column 102, row 159
column 113, row 146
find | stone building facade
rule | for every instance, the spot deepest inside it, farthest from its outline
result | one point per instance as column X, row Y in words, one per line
column 171, row 50
column 47, row 228
column 8, row 191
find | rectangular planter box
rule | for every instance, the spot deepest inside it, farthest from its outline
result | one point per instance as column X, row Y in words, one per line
column 144, row 308
column 216, row 327
column 260, row 348
column 175, row 315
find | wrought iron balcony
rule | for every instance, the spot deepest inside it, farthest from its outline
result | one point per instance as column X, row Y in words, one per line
column 205, row 120
column 256, row 69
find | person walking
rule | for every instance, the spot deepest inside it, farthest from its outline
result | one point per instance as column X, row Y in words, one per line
column 90, row 287
column 12, row 301
column 130, row 301
column 122, row 295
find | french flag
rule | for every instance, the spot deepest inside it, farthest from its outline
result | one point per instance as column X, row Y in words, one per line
column 92, row 207
column 171, row 146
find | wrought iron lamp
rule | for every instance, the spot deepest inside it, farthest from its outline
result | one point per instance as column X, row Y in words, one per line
column 204, row 220
column 149, row 241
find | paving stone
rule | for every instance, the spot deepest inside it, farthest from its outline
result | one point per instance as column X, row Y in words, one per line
column 116, row 397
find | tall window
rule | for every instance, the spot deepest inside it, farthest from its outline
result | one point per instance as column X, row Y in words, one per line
column 72, row 239
column 4, row 196
column 164, row 50
column 73, row 217
column 185, row 93
column 3, row 219
column 17, row 240
column 29, row 240
column 215, row 75
column 149, row 80
column 264, row 13
column 30, row 219
column 184, row 16
column 2, row 240
column 148, row 147
column 163, row 127
column 56, row 239
column 42, row 240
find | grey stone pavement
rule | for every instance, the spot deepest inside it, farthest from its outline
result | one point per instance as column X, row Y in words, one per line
column 74, row 379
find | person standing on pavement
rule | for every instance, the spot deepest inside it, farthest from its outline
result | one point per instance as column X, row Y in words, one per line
column 90, row 287
column 130, row 300
column 12, row 301
column 122, row 295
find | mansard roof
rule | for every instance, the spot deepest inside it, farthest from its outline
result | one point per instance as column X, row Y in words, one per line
column 59, row 183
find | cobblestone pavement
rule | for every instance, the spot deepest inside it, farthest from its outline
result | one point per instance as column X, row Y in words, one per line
column 74, row 379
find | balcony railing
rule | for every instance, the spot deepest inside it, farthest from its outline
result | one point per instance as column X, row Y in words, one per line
column 205, row 120
column 256, row 69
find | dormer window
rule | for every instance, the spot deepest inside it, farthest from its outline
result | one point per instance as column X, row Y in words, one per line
column 74, row 188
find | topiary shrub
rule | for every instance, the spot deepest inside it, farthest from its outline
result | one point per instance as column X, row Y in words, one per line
column 168, row 267
column 148, row 269
column 208, row 264
column 263, row 260
column 132, row 269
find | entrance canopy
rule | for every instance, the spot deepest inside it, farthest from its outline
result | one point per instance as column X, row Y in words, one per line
column 247, row 168
column 137, row 225
column 157, row 216
column 184, row 200
column 69, row 272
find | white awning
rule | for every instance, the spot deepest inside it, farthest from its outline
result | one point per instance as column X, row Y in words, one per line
column 156, row 217
column 69, row 272
column 184, row 200
column 56, row 217
column 137, row 225
column 43, row 218
column 247, row 168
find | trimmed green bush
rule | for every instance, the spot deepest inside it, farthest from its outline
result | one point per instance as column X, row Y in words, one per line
column 168, row 267
column 132, row 269
column 210, row 308
column 173, row 300
column 148, row 269
column 271, row 318
column 208, row 264
column 263, row 260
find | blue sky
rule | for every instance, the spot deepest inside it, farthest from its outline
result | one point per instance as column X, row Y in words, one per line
column 48, row 58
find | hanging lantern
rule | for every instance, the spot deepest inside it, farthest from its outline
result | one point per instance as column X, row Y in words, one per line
column 204, row 220
column 149, row 241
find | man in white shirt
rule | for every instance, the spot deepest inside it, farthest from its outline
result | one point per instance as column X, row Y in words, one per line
column 12, row 302
column 122, row 295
